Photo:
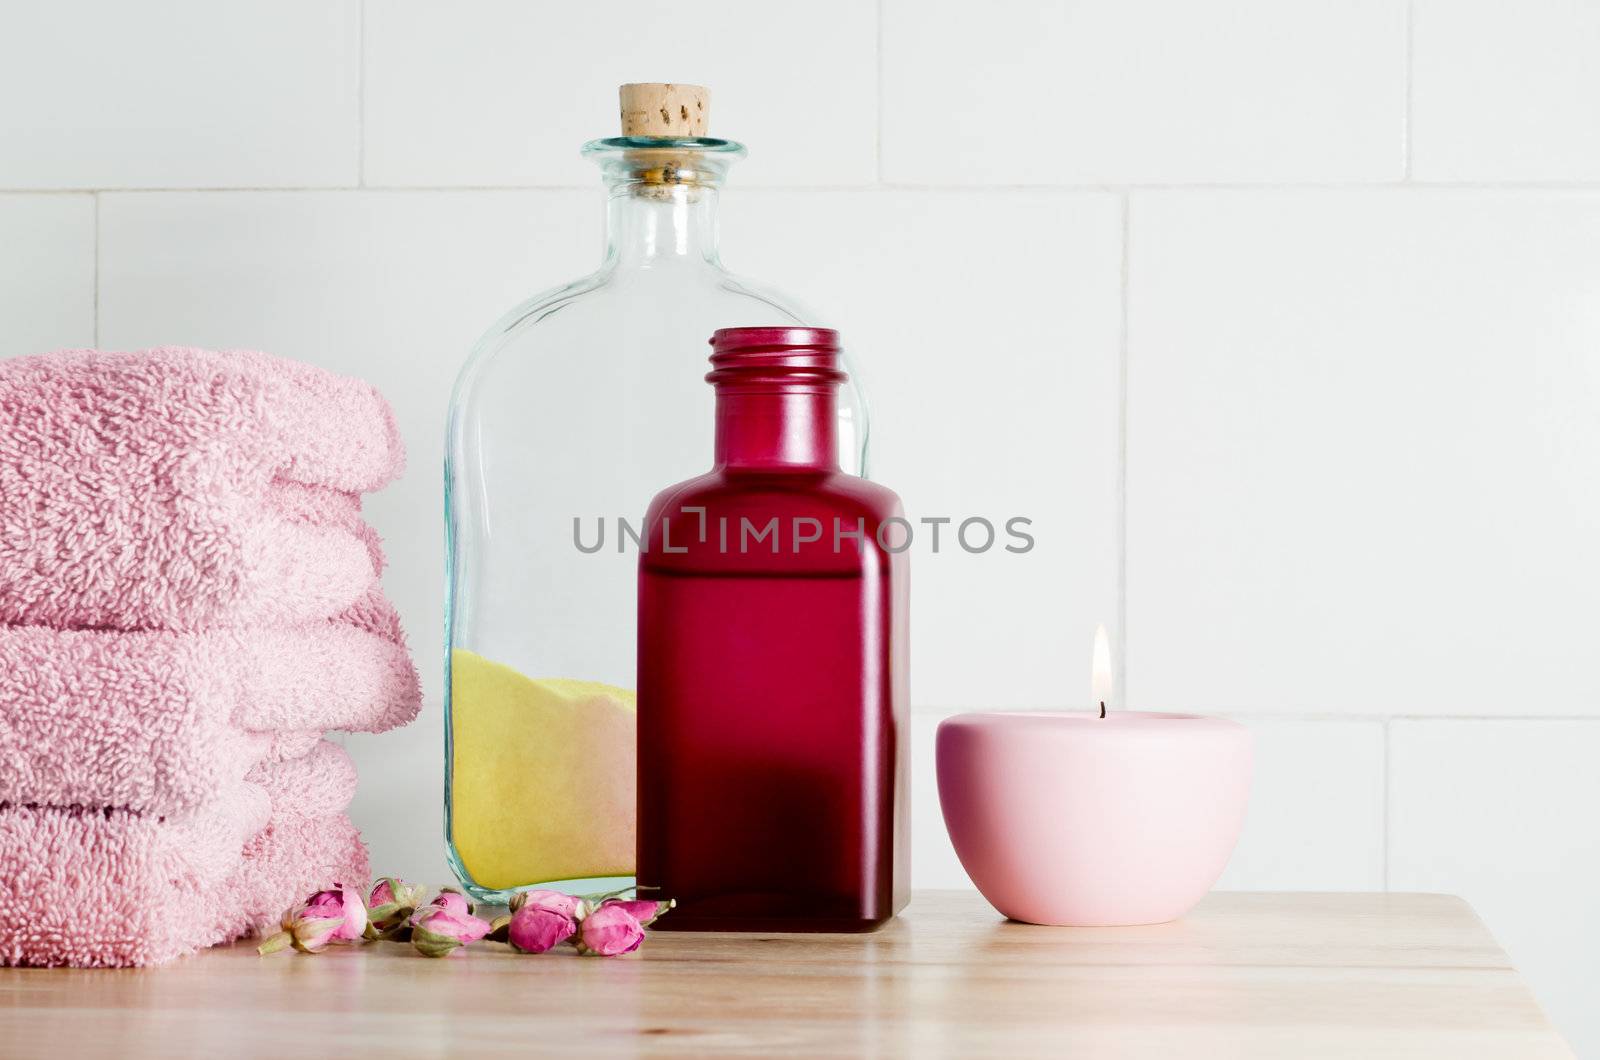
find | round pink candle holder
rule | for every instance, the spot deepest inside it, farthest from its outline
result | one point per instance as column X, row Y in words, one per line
column 1074, row 818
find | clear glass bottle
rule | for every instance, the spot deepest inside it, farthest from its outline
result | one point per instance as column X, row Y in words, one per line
column 571, row 413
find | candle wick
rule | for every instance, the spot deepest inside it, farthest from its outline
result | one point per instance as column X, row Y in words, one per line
column 1102, row 708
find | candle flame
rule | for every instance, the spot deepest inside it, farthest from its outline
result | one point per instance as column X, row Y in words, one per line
column 1100, row 684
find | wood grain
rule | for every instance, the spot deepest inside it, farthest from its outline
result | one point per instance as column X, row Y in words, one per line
column 1245, row 975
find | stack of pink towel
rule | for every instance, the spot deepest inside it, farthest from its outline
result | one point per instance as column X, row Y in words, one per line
column 189, row 600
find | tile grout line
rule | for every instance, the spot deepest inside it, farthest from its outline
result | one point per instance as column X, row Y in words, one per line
column 1410, row 77
column 1121, row 637
column 1554, row 187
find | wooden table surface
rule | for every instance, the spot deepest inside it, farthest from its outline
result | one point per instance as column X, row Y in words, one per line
column 1272, row 975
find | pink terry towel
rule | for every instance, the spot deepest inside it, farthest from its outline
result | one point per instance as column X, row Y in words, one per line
column 308, row 845
column 111, row 888
column 161, row 722
column 181, row 488
column 320, row 782
column 288, row 861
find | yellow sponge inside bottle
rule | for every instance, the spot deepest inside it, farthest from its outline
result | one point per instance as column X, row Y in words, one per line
column 542, row 775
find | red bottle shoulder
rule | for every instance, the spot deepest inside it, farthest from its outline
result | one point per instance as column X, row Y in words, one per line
column 804, row 520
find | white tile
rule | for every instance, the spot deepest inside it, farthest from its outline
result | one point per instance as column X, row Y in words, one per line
column 503, row 92
column 1316, row 809
column 182, row 94
column 399, row 804
column 391, row 286
column 934, row 864
column 1505, row 91
column 1145, row 91
column 1502, row 813
column 46, row 273
column 986, row 329
column 1362, row 449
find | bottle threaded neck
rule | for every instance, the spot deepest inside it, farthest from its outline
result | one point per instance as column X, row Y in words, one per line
column 776, row 405
column 787, row 357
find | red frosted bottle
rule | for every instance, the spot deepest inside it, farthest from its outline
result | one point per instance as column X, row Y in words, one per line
column 772, row 663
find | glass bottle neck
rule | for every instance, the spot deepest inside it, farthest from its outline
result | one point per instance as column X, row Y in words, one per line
column 777, row 428
column 652, row 225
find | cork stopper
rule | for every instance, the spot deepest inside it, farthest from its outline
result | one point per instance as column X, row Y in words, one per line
column 664, row 111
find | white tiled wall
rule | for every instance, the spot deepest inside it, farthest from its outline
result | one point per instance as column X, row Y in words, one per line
column 1506, row 91
column 1281, row 320
column 185, row 93
column 47, row 272
column 1363, row 437
column 483, row 92
column 1143, row 92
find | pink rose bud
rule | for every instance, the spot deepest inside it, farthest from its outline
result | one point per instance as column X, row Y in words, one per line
column 279, row 941
column 311, row 934
column 536, row 928
column 335, row 915
column 555, row 901
column 438, row 932
column 390, row 905
column 644, row 911
column 392, row 891
column 345, row 903
column 609, row 931
column 452, row 901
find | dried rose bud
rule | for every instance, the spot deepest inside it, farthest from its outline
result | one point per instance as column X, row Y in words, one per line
column 345, row 902
column 334, row 915
column 279, row 940
column 542, row 920
column 644, row 911
column 609, row 931
column 393, row 891
column 436, row 931
column 390, row 906
column 453, row 901
column 567, row 904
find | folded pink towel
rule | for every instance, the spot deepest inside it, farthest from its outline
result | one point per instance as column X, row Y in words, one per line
column 161, row 722
column 320, row 782
column 308, row 845
column 284, row 864
column 110, row 888
column 84, row 886
column 180, row 489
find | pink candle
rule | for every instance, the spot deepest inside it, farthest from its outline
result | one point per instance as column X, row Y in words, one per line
column 1079, row 818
